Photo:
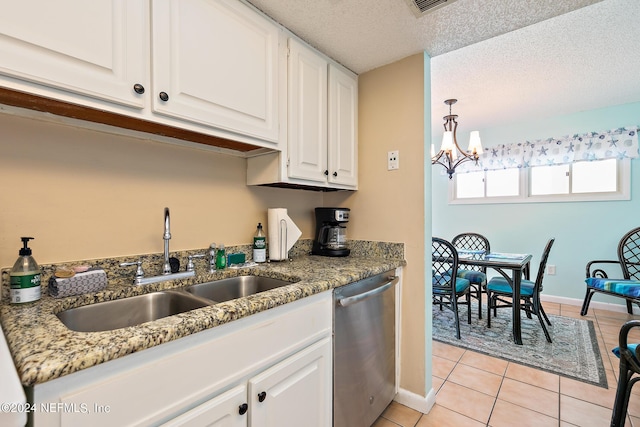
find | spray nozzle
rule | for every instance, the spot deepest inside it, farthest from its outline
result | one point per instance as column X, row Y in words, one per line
column 26, row 250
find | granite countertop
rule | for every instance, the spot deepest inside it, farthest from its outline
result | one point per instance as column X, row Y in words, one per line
column 44, row 349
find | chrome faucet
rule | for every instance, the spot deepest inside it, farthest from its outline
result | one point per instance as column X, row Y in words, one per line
column 166, row 267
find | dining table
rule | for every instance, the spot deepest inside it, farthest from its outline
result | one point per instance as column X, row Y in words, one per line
column 511, row 266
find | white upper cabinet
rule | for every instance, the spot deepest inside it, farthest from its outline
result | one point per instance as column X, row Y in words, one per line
column 343, row 128
column 307, row 120
column 323, row 119
column 215, row 62
column 96, row 48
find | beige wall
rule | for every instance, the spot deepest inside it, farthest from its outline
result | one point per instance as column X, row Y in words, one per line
column 86, row 194
column 389, row 205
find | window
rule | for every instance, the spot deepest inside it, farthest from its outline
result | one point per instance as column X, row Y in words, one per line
column 579, row 181
column 595, row 177
column 550, row 180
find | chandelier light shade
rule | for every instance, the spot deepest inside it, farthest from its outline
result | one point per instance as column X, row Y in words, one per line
column 450, row 154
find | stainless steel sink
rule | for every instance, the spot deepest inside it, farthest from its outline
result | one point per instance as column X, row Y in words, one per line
column 235, row 287
column 132, row 311
column 109, row 315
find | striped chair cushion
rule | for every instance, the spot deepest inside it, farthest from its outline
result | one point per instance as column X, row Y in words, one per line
column 500, row 285
column 475, row 277
column 630, row 288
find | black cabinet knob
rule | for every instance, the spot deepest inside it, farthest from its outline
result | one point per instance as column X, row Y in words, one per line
column 138, row 88
column 326, row 172
column 242, row 409
column 335, row 174
column 164, row 96
column 262, row 396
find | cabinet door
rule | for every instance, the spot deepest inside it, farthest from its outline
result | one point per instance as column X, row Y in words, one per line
column 343, row 127
column 222, row 411
column 217, row 63
column 95, row 48
column 307, row 113
column 296, row 392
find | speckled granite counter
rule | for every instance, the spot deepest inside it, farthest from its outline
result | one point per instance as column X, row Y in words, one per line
column 44, row 349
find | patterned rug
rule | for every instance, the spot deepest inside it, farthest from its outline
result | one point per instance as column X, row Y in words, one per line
column 574, row 352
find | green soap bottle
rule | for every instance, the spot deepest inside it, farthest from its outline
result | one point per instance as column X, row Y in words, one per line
column 221, row 258
column 24, row 278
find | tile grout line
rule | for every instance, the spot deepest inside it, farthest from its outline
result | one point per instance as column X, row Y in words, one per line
column 495, row 400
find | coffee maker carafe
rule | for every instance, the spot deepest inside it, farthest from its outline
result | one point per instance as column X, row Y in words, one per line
column 331, row 232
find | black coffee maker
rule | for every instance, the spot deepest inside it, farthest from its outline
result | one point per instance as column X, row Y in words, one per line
column 331, row 234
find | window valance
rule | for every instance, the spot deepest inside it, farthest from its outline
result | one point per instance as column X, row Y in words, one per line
column 617, row 143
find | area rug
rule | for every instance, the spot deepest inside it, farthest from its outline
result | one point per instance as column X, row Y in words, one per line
column 574, row 352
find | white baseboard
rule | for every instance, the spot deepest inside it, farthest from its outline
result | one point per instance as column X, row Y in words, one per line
column 415, row 401
column 622, row 308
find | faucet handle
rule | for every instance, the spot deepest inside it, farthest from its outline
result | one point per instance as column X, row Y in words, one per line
column 190, row 265
column 139, row 271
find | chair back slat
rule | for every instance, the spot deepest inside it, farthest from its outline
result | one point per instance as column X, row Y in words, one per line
column 474, row 242
column 543, row 265
column 629, row 254
column 444, row 259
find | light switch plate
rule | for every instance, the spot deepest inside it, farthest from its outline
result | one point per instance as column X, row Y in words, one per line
column 393, row 160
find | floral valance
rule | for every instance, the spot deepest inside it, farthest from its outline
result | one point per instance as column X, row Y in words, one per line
column 617, row 143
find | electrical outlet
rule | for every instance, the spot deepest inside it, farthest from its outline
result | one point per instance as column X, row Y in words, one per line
column 393, row 160
column 551, row 270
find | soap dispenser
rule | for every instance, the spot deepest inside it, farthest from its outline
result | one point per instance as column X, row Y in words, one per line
column 24, row 277
column 221, row 258
column 259, row 245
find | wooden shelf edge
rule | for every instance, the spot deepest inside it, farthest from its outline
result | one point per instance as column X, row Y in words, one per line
column 66, row 109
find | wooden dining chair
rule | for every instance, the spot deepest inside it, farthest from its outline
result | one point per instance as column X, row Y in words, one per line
column 446, row 287
column 500, row 294
column 475, row 274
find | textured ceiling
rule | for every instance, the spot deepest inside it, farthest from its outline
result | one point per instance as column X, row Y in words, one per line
column 366, row 34
column 579, row 61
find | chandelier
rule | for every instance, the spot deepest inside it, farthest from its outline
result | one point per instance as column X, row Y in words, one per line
column 450, row 154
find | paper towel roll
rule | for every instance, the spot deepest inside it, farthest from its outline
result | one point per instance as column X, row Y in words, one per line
column 282, row 233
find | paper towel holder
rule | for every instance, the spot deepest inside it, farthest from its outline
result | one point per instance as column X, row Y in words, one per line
column 282, row 240
column 282, row 232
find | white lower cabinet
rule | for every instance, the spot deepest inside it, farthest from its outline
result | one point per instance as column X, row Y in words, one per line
column 273, row 368
column 291, row 393
column 287, row 394
column 228, row 410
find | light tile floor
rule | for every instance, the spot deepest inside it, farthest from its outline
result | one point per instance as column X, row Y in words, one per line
column 478, row 390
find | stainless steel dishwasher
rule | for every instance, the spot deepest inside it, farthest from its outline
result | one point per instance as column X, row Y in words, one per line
column 364, row 355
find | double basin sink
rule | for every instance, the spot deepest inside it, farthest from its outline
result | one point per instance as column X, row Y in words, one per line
column 132, row 311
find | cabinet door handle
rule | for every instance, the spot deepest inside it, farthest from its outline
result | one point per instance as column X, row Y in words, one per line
column 262, row 396
column 242, row 409
column 335, row 174
column 138, row 88
column 326, row 172
column 164, row 96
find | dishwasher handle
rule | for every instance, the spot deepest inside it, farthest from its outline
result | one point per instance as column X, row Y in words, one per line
column 361, row 297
